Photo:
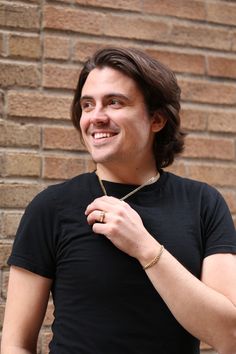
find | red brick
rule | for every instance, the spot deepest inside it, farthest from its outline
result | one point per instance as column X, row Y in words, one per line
column 10, row 222
column 1, row 44
column 84, row 49
column 214, row 174
column 180, row 62
column 14, row 195
column 5, row 279
column 222, row 67
column 5, row 250
column 62, row 138
column 221, row 12
column 56, row 47
column 19, row 75
column 178, row 167
column 20, row 16
column 59, row 76
column 62, row 168
column 209, row 147
column 234, row 220
column 89, row 165
column 48, row 319
column 2, row 310
column 15, row 135
column 45, row 337
column 193, row 118
column 20, row 164
column 193, row 9
column 38, row 105
column 208, row 92
column 234, row 41
column 201, row 36
column 1, row 105
column 222, row 121
column 135, row 5
column 24, row 46
column 230, row 198
column 68, row 19
column 137, row 27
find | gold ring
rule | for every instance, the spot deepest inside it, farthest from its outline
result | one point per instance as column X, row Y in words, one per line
column 102, row 216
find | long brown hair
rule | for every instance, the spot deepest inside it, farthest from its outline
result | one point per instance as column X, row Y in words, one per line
column 159, row 87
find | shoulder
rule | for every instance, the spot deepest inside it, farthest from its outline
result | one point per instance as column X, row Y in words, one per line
column 62, row 193
column 194, row 191
column 189, row 184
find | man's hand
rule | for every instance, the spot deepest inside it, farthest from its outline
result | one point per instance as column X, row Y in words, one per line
column 123, row 226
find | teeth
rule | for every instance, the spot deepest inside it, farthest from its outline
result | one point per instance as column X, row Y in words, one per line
column 102, row 135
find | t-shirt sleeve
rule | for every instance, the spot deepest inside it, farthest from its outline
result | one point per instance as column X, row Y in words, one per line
column 35, row 242
column 219, row 230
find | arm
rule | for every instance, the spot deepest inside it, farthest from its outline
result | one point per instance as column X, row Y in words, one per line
column 26, row 305
column 204, row 308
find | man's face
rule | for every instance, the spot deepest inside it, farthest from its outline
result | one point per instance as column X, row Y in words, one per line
column 115, row 125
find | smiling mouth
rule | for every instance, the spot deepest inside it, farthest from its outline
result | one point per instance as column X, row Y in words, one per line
column 103, row 135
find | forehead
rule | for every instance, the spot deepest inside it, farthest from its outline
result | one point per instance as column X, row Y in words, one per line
column 103, row 81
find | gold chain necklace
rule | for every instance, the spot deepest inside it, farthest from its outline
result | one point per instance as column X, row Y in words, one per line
column 149, row 181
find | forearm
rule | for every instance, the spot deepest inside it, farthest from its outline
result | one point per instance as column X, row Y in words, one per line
column 15, row 350
column 205, row 313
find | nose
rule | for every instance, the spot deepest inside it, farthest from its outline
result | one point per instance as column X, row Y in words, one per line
column 99, row 116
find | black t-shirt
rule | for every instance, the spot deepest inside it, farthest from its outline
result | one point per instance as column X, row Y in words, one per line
column 104, row 301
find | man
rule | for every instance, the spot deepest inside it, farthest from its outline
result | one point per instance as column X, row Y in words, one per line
column 138, row 260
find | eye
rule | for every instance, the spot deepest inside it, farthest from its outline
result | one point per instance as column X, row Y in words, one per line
column 115, row 102
column 87, row 105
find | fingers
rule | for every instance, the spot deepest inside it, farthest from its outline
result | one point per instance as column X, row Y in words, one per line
column 104, row 203
column 98, row 216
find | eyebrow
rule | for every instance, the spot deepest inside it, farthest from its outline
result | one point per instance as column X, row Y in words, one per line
column 113, row 94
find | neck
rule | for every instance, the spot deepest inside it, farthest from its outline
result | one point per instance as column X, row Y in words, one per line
column 135, row 176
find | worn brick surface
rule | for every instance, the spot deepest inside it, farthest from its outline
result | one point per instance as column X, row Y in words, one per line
column 137, row 27
column 62, row 138
column 38, row 105
column 221, row 12
column 84, row 49
column 5, row 250
column 1, row 44
column 200, row 36
column 59, row 76
column 1, row 104
column 222, row 121
column 193, row 119
column 209, row 147
column 208, row 92
column 24, row 46
column 17, row 195
column 181, row 8
column 222, row 67
column 10, row 221
column 135, row 5
column 56, row 47
column 20, row 164
column 211, row 174
column 62, row 167
column 19, row 75
column 180, row 62
column 16, row 135
column 16, row 15
column 56, row 17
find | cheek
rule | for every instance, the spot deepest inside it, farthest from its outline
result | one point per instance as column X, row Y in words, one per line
column 84, row 123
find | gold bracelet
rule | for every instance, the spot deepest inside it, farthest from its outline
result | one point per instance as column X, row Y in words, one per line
column 156, row 259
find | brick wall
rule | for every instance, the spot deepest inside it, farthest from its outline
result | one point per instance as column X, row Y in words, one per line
column 42, row 46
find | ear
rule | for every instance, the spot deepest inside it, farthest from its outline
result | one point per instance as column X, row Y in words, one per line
column 158, row 122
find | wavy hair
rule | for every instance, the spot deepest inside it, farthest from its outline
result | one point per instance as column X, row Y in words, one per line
column 159, row 87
